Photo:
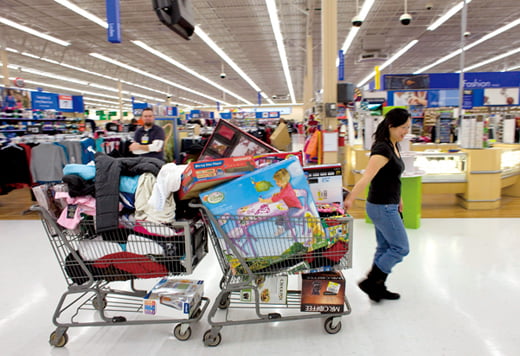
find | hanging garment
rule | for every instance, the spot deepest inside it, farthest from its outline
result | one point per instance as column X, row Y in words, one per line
column 47, row 162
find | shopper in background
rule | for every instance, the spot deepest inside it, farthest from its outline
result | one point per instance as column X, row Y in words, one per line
column 149, row 139
column 384, row 204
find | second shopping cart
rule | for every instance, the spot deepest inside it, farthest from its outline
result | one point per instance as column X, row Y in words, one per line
column 255, row 251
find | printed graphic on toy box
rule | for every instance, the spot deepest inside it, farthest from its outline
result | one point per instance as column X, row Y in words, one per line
column 173, row 296
column 268, row 212
column 326, row 183
column 323, row 292
column 271, row 289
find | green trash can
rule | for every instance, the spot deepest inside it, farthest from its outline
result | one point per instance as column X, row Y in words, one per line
column 411, row 192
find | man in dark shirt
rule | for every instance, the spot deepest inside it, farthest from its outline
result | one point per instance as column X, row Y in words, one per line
column 148, row 139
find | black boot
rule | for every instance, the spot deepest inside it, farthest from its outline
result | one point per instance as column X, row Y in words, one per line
column 374, row 285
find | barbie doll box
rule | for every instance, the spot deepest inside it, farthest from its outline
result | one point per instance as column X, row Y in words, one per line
column 204, row 174
column 266, row 211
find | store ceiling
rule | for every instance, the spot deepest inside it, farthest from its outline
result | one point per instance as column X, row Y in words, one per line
column 243, row 30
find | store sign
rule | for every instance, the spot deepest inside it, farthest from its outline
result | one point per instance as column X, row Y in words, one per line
column 65, row 102
column 44, row 101
column 467, row 99
column 341, row 66
column 114, row 21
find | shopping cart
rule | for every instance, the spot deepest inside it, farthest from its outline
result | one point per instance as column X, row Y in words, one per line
column 250, row 249
column 92, row 265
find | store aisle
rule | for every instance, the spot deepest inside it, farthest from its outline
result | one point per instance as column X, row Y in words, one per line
column 460, row 287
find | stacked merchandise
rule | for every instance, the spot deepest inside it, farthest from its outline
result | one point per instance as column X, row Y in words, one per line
column 123, row 211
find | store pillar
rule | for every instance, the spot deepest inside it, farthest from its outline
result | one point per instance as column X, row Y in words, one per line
column 329, row 53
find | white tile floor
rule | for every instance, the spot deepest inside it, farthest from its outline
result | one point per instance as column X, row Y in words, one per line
column 460, row 291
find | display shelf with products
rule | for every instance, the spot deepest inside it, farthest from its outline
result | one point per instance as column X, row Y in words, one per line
column 440, row 167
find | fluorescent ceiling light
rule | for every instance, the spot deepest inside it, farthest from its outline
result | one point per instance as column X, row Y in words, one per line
column 203, row 36
column 389, row 61
column 476, row 43
column 186, row 69
column 275, row 24
column 398, row 54
column 491, row 60
column 33, row 32
column 365, row 9
column 447, row 15
column 512, row 68
column 152, row 76
column 83, row 13
column 46, row 74
column 30, row 55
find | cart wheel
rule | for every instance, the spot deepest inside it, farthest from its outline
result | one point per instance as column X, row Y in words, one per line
column 179, row 335
column 329, row 328
column 58, row 343
column 210, row 340
column 99, row 304
column 224, row 301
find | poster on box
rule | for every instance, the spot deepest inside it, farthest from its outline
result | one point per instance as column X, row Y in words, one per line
column 268, row 211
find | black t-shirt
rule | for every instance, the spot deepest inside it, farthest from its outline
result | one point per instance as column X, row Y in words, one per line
column 146, row 137
column 385, row 187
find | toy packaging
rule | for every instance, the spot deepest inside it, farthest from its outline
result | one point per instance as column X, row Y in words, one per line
column 267, row 211
column 323, row 292
column 173, row 297
column 229, row 140
column 326, row 182
column 272, row 290
column 270, row 158
column 205, row 174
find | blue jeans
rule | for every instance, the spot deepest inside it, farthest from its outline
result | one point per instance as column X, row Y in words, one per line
column 392, row 240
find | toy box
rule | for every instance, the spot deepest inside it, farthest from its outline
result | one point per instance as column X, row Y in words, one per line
column 323, row 292
column 326, row 182
column 272, row 290
column 229, row 140
column 252, row 212
column 204, row 174
column 171, row 297
column 270, row 158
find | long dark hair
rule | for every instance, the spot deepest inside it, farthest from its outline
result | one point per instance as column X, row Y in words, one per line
column 393, row 118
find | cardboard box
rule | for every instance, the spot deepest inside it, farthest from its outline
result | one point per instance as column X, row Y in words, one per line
column 260, row 226
column 270, row 158
column 272, row 290
column 229, row 140
column 173, row 297
column 326, row 182
column 201, row 175
column 280, row 138
column 323, row 292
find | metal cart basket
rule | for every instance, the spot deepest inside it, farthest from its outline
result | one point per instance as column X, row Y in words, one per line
column 252, row 248
column 93, row 263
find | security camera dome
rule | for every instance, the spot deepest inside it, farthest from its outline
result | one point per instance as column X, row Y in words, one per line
column 357, row 21
column 405, row 19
